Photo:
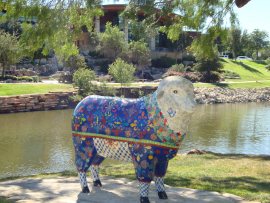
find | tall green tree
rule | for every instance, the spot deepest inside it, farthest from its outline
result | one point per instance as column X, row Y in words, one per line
column 111, row 42
column 74, row 62
column 237, row 40
column 9, row 50
column 259, row 39
column 140, row 54
column 122, row 72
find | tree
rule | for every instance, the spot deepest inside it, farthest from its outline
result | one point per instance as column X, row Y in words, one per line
column 75, row 62
column 111, row 42
column 82, row 79
column 237, row 40
column 180, row 45
column 9, row 53
column 259, row 40
column 59, row 22
column 140, row 54
column 122, row 72
column 12, row 27
column 207, row 66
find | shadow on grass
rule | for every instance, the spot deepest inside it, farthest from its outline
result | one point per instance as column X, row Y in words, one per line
column 238, row 156
column 253, row 70
column 223, row 60
column 259, row 62
column 248, row 187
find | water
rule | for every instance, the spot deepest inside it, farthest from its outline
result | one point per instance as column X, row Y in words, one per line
column 39, row 142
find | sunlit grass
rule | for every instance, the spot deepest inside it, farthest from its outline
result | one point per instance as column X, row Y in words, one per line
column 242, row 175
column 19, row 89
column 248, row 70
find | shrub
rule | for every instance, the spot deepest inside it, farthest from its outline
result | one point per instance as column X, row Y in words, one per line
column 190, row 76
column 65, row 78
column 188, row 58
column 178, row 68
column 163, row 62
column 213, row 77
column 27, row 78
column 10, row 77
column 36, row 79
column 82, row 79
column 104, row 66
column 230, row 73
column 89, row 67
column 268, row 63
column 93, row 53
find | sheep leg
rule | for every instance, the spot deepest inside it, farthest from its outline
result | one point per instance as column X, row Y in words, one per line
column 160, row 172
column 83, row 181
column 144, row 191
column 94, row 168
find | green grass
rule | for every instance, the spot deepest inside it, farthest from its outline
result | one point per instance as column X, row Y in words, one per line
column 242, row 175
column 236, row 85
column 248, row 70
column 19, row 89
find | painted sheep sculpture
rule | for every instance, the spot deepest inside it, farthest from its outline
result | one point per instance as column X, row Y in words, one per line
column 146, row 131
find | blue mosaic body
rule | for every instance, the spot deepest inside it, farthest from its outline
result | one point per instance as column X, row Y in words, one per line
column 124, row 129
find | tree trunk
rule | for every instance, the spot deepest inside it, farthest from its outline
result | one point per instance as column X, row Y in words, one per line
column 3, row 72
column 257, row 54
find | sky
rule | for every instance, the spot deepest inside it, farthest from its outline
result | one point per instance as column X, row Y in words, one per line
column 254, row 15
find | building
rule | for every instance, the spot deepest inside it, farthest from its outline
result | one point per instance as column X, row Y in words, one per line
column 158, row 45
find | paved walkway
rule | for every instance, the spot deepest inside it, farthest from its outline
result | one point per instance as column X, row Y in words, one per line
column 121, row 190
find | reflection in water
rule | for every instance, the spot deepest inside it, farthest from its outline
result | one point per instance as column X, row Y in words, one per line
column 38, row 142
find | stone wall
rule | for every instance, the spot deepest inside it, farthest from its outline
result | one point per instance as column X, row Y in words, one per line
column 34, row 102
column 52, row 100
column 225, row 95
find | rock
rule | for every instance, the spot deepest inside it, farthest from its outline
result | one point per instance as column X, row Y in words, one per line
column 43, row 61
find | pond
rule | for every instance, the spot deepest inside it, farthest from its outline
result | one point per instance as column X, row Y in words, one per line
column 40, row 142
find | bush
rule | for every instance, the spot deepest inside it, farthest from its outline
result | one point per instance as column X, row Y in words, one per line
column 95, row 54
column 10, row 77
column 65, row 78
column 210, row 78
column 163, row 62
column 190, row 76
column 27, row 78
column 188, row 58
column 36, row 79
column 178, row 68
column 89, row 67
column 104, row 66
column 230, row 73
column 82, row 79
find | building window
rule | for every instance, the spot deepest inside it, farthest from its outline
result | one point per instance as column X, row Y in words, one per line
column 115, row 20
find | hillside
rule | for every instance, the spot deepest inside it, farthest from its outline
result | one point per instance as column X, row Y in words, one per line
column 248, row 70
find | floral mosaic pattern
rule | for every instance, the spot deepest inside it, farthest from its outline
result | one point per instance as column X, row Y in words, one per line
column 137, row 122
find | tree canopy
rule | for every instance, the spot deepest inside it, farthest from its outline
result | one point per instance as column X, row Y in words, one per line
column 259, row 39
column 237, row 40
column 9, row 50
column 59, row 22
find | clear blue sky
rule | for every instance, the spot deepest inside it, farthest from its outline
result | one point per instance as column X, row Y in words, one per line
column 254, row 15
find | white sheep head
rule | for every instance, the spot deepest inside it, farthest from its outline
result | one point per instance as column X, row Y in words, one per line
column 175, row 98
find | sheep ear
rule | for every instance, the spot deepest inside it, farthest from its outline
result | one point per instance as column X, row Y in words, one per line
column 160, row 94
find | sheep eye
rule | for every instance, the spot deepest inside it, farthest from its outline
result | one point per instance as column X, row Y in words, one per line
column 175, row 91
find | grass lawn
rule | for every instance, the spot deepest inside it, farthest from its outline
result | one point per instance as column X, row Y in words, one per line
column 236, row 85
column 242, row 175
column 248, row 70
column 18, row 89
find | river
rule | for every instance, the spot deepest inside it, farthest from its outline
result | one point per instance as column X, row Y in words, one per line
column 40, row 142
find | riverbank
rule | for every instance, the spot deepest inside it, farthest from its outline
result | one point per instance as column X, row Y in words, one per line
column 61, row 99
column 246, row 176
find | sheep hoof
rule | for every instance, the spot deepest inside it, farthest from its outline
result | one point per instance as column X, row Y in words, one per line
column 144, row 200
column 162, row 195
column 97, row 183
column 85, row 190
